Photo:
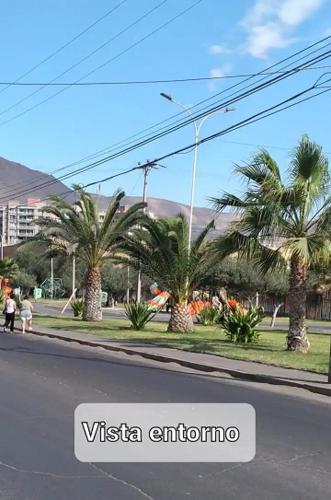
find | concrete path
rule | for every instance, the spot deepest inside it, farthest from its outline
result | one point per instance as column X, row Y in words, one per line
column 205, row 362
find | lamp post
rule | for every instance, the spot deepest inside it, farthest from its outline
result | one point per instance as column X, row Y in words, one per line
column 197, row 128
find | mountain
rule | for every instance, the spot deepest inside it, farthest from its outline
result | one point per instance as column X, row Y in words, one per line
column 19, row 183
column 166, row 208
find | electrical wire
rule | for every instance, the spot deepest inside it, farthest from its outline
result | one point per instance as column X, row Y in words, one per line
column 93, row 165
column 281, row 76
column 83, row 59
column 149, row 82
column 112, row 59
column 111, row 148
column 272, row 110
column 61, row 48
column 181, row 113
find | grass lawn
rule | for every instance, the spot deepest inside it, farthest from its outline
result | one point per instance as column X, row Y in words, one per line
column 51, row 302
column 283, row 321
column 269, row 350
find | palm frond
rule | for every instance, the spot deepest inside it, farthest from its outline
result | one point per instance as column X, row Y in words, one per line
column 160, row 249
column 65, row 226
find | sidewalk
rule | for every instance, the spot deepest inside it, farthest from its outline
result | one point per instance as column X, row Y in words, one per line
column 244, row 370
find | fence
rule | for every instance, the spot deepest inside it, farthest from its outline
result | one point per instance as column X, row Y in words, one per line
column 318, row 306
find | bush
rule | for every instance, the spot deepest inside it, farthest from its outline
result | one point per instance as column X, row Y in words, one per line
column 138, row 314
column 209, row 316
column 77, row 307
column 239, row 323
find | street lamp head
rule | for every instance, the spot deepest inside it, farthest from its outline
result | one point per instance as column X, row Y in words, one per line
column 166, row 96
column 228, row 109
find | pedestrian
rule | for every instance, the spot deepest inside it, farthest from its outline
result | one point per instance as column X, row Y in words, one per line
column 10, row 309
column 26, row 309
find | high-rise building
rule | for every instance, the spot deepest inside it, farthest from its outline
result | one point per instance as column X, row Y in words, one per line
column 18, row 222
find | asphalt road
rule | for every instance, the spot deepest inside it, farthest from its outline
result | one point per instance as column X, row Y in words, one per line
column 42, row 381
column 117, row 313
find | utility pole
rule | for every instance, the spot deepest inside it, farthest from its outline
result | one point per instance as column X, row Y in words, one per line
column 147, row 167
column 73, row 274
column 2, row 231
column 52, row 277
column 128, row 287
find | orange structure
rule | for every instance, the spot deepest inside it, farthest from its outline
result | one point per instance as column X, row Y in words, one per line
column 5, row 286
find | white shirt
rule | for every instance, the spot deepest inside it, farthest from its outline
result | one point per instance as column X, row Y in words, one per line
column 10, row 306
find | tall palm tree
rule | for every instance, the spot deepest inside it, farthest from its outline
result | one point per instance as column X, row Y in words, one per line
column 79, row 226
column 160, row 249
column 283, row 223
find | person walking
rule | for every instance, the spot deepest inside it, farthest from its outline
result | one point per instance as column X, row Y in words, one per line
column 26, row 309
column 10, row 309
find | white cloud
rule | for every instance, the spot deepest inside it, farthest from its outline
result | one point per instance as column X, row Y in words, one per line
column 218, row 49
column 221, row 71
column 265, row 37
column 271, row 24
column 295, row 12
column 216, row 73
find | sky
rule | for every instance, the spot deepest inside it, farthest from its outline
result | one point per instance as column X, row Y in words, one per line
column 213, row 38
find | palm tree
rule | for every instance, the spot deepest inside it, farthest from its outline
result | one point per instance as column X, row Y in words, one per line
column 283, row 223
column 79, row 226
column 160, row 249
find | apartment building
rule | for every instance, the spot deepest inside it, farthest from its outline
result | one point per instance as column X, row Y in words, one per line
column 18, row 222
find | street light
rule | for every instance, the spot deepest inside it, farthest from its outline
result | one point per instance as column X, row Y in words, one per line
column 197, row 128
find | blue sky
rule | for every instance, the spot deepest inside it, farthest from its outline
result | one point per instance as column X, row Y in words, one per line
column 213, row 39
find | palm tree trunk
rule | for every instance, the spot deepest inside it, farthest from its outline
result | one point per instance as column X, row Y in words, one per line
column 297, row 336
column 180, row 320
column 92, row 300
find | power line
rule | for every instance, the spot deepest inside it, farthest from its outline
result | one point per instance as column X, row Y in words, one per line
column 149, row 82
column 83, row 59
column 219, row 106
column 112, row 59
column 181, row 113
column 111, row 148
column 200, row 115
column 272, row 110
column 103, row 160
column 62, row 47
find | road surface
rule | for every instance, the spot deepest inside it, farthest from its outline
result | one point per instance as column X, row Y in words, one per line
column 43, row 380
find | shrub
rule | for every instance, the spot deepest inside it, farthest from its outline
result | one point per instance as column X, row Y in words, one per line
column 77, row 307
column 209, row 316
column 239, row 324
column 138, row 314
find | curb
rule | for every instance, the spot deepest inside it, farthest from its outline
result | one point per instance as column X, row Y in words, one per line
column 252, row 377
